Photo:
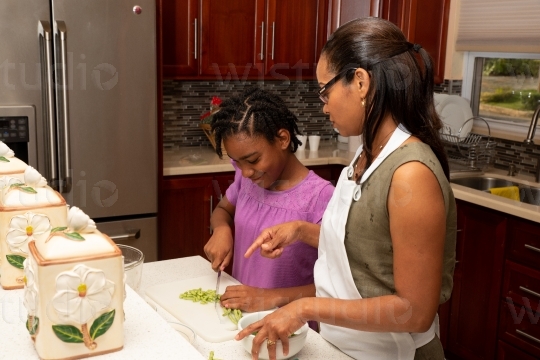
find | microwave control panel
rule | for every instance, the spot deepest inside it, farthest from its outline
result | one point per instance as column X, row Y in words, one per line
column 14, row 129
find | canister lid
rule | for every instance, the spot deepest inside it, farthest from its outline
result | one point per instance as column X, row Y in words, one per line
column 61, row 246
column 12, row 167
column 79, row 239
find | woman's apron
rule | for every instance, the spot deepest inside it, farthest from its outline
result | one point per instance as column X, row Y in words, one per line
column 333, row 277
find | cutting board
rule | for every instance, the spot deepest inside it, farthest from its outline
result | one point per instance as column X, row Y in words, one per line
column 201, row 318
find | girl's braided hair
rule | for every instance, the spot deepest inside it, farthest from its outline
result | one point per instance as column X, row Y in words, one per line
column 255, row 112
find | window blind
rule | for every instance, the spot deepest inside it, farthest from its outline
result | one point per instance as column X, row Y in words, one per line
column 499, row 26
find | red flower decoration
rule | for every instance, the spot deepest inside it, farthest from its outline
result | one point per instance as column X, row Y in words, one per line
column 216, row 101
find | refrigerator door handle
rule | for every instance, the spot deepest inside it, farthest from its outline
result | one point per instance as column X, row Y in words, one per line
column 45, row 39
column 62, row 108
column 132, row 234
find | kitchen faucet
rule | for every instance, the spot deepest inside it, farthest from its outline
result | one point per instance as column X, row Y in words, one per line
column 530, row 140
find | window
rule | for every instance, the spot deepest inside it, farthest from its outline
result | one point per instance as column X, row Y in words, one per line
column 504, row 88
column 501, row 48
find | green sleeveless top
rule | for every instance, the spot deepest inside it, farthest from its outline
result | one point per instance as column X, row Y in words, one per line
column 367, row 234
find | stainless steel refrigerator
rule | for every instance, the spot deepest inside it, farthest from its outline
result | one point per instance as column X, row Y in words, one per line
column 78, row 102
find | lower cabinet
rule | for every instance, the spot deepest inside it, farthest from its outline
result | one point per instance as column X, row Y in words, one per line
column 493, row 311
column 185, row 207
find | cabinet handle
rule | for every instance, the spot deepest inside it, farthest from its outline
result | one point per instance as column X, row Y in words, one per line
column 211, row 206
column 273, row 38
column 195, row 32
column 522, row 288
column 262, row 40
column 530, row 247
column 458, row 230
column 527, row 336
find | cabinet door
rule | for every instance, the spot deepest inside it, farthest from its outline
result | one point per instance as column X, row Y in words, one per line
column 184, row 214
column 424, row 22
column 475, row 298
column 508, row 352
column 296, row 32
column 231, row 34
column 220, row 184
column 179, row 33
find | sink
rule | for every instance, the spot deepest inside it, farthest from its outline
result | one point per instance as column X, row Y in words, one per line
column 482, row 183
column 527, row 194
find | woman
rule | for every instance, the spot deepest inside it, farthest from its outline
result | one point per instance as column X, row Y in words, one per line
column 386, row 244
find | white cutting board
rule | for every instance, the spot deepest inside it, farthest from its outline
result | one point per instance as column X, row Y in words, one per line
column 201, row 318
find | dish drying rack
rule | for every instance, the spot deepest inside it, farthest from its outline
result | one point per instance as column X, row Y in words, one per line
column 474, row 151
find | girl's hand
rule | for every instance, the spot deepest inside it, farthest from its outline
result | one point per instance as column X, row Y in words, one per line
column 248, row 298
column 278, row 325
column 219, row 249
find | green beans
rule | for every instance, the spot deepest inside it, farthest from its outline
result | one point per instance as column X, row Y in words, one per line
column 198, row 295
column 234, row 315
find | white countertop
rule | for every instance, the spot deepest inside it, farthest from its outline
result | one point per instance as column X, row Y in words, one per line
column 146, row 334
column 203, row 160
column 146, row 331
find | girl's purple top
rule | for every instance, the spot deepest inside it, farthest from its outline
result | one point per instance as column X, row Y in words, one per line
column 258, row 209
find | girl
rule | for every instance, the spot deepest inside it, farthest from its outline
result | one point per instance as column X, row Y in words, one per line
column 271, row 186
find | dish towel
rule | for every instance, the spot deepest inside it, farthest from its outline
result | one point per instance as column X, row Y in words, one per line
column 510, row 192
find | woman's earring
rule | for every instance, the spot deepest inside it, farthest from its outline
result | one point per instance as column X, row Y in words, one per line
column 363, row 102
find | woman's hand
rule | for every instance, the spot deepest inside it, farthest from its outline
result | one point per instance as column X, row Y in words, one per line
column 219, row 249
column 273, row 240
column 278, row 325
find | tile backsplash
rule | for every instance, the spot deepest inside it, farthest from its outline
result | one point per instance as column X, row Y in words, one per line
column 185, row 101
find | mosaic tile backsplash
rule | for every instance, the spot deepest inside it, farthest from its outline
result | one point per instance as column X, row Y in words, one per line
column 185, row 101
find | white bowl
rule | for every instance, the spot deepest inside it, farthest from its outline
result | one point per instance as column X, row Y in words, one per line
column 296, row 343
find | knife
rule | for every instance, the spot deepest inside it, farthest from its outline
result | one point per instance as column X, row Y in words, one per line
column 216, row 299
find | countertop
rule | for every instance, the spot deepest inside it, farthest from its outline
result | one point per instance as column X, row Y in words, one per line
column 146, row 331
column 203, row 160
column 195, row 266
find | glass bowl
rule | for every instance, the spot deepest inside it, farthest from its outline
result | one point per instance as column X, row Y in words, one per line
column 133, row 261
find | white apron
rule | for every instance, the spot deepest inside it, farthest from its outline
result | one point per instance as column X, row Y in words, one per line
column 333, row 276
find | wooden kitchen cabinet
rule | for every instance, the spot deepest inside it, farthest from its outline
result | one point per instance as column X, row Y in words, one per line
column 422, row 21
column 179, row 22
column 242, row 39
column 295, row 35
column 493, row 311
column 184, row 213
column 475, row 298
column 230, row 38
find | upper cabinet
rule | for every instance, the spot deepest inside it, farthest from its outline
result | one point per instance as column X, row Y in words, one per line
column 295, row 35
column 231, row 34
column 242, row 39
column 422, row 21
column 179, row 24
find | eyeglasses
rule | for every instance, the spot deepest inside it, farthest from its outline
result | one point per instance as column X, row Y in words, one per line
column 321, row 92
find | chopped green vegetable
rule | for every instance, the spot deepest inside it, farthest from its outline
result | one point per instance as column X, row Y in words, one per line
column 234, row 315
column 198, row 295
column 211, row 356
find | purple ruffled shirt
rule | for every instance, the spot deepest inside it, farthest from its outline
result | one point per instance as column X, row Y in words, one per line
column 258, row 209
